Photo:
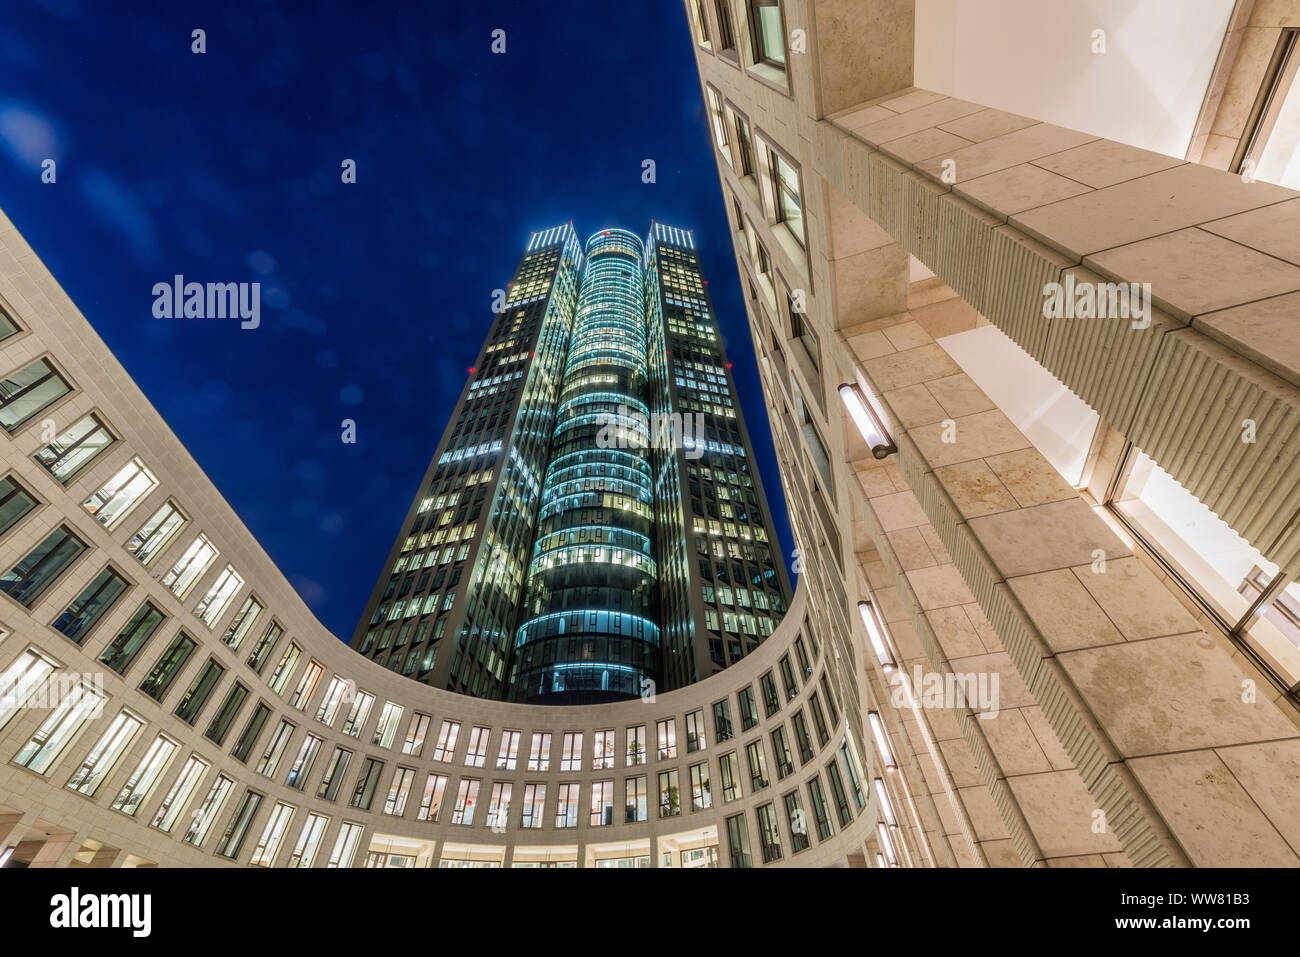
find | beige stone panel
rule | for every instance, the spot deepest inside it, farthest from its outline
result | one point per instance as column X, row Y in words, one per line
column 862, row 50
column 923, row 145
column 1209, row 813
column 1271, row 229
column 1171, row 694
column 1270, row 774
column 955, row 633
column 1030, row 478
column 944, row 318
column 1104, row 163
column 910, row 548
column 1193, row 272
column 962, row 767
column 1139, row 209
column 1264, row 332
column 910, row 367
column 1010, row 149
column 987, row 125
column 977, row 436
column 983, row 814
column 923, row 117
column 1014, row 744
column 1064, row 613
column 1019, row 188
column 959, row 395
column 1001, row 854
column 1134, row 600
column 974, row 488
column 898, row 510
column 869, row 285
column 939, row 586
column 1083, row 860
column 1012, row 691
column 913, row 406
column 1242, row 89
column 1046, row 738
column 1045, row 537
column 1059, row 810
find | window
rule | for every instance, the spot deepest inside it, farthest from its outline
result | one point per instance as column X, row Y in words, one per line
column 819, row 720
column 499, row 806
column 634, row 791
column 168, row 666
column 781, row 749
column 335, row 691
column 771, row 704
column 190, row 567
column 566, row 807
column 7, row 326
column 701, row 24
column 701, row 796
column 466, row 798
column 786, row 200
column 120, row 494
column 225, row 715
column 15, row 502
column 359, row 715
column 208, row 812
column 307, row 686
column 539, row 756
column 88, row 607
column 694, row 732
column 19, row 680
column 798, row 821
column 399, row 791
column 769, row 837
column 284, row 670
column 334, row 771
column 237, row 829
column 801, row 737
column 390, row 718
column 534, row 805
column 415, row 734
column 156, row 534
column 268, row 845
column 838, row 793
column 363, row 792
column 757, row 761
column 122, row 650
column 26, row 392
column 179, row 795
column 602, row 803
column 248, row 737
column 75, row 447
column 744, row 146
column 821, row 813
column 1269, row 141
column 209, row 609
column 445, row 749
column 726, row 30
column 301, row 766
column 636, row 746
column 507, row 757
column 768, row 36
column 571, row 756
column 602, row 750
column 25, row 582
column 275, row 748
column 304, row 852
column 729, row 768
column 666, row 732
column 851, row 768
column 738, row 841
column 196, row 695
column 103, row 757
column 262, row 650
column 242, row 623
column 787, row 679
column 72, row 713
column 345, row 845
column 721, row 721
column 670, row 804
column 748, row 713
column 146, row 775
column 476, row 752
column 431, row 799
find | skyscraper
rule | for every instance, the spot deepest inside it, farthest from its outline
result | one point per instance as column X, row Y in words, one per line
column 591, row 526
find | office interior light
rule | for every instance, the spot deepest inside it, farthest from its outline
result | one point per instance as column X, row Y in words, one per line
column 882, row 740
column 869, row 420
column 882, row 795
column 876, row 633
column 880, row 860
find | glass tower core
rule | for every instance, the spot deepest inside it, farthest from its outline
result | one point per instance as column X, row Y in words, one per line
column 592, row 526
column 589, row 631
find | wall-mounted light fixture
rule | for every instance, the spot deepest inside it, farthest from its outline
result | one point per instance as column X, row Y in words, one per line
column 876, row 633
column 882, row 740
column 886, row 806
column 869, row 418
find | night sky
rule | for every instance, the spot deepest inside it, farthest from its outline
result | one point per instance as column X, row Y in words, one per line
column 376, row 296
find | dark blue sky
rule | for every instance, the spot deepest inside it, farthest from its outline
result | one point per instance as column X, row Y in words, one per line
column 376, row 296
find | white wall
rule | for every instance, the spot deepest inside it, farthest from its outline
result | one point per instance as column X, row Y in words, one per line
column 1146, row 90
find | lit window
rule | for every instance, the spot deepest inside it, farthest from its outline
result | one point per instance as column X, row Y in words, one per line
column 28, row 391
column 120, row 494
